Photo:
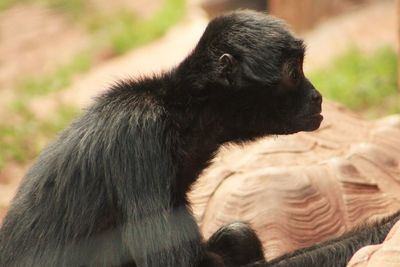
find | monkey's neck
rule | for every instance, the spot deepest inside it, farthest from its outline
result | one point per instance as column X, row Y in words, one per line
column 198, row 140
column 196, row 160
column 199, row 147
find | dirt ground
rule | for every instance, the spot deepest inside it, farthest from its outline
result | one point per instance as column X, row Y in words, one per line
column 44, row 40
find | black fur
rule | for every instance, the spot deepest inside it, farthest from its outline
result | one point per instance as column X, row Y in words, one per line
column 237, row 244
column 111, row 190
column 337, row 252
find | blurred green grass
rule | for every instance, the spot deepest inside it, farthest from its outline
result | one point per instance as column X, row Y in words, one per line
column 123, row 31
column 57, row 80
column 22, row 140
column 119, row 32
column 366, row 83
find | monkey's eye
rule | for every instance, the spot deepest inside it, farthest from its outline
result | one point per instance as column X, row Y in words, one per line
column 296, row 76
column 293, row 73
column 296, row 73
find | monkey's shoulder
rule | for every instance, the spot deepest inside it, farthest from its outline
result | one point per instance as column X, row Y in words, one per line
column 137, row 100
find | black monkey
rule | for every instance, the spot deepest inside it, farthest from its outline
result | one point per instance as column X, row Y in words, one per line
column 111, row 189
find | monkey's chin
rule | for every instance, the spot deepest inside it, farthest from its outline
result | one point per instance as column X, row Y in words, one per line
column 313, row 122
column 307, row 123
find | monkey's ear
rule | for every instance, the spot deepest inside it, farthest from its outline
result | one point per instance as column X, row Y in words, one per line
column 228, row 69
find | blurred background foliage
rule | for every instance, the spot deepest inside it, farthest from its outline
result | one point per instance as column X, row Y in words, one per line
column 366, row 83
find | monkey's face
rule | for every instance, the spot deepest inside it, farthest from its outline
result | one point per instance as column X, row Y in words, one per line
column 297, row 101
column 279, row 101
column 282, row 109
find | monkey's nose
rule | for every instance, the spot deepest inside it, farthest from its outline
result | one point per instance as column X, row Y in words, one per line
column 316, row 97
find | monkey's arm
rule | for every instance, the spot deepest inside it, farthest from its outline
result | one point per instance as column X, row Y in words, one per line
column 336, row 252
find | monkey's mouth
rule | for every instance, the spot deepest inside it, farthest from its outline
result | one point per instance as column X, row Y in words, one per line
column 317, row 117
column 311, row 117
column 311, row 122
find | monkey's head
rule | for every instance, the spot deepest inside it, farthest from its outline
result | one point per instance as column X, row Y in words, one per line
column 248, row 70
